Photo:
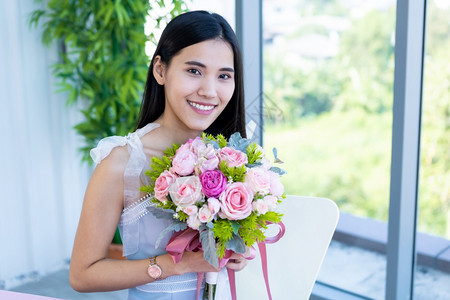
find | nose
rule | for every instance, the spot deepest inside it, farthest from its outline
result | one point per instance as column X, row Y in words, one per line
column 207, row 88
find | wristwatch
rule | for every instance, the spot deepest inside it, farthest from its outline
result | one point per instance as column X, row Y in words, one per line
column 154, row 271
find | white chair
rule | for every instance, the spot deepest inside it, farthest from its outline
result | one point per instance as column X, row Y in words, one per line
column 295, row 260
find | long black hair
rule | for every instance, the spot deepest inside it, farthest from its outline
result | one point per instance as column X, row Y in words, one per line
column 185, row 30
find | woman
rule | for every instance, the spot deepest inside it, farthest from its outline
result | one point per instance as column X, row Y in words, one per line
column 194, row 84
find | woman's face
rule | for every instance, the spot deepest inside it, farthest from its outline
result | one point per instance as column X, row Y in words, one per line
column 198, row 84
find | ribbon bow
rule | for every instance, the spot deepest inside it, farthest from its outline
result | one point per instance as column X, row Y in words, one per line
column 188, row 240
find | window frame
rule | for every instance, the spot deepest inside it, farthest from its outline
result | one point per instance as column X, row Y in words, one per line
column 406, row 130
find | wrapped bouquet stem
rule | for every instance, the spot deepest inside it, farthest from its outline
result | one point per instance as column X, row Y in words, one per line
column 210, row 285
column 220, row 196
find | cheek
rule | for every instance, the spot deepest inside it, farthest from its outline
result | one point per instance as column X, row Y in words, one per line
column 179, row 88
column 225, row 93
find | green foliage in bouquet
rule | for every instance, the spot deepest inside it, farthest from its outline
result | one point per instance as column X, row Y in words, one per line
column 253, row 153
column 159, row 165
column 219, row 139
column 250, row 229
column 236, row 174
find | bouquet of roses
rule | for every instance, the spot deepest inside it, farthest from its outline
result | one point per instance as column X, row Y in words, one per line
column 225, row 191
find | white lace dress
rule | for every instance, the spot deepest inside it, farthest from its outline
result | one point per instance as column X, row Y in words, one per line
column 138, row 227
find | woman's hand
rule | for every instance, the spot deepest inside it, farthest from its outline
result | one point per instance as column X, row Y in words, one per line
column 195, row 262
column 237, row 262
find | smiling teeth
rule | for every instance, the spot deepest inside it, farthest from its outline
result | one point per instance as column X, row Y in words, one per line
column 201, row 107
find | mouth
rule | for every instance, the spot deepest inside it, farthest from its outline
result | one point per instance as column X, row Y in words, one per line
column 201, row 107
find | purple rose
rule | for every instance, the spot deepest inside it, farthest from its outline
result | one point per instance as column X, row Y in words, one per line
column 213, row 183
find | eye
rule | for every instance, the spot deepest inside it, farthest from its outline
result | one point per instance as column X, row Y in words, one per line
column 194, row 71
column 224, row 76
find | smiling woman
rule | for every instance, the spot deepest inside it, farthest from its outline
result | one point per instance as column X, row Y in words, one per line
column 194, row 84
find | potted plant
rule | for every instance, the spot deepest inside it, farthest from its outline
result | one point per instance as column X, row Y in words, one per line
column 103, row 64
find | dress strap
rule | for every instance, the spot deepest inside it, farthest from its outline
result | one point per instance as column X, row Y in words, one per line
column 106, row 145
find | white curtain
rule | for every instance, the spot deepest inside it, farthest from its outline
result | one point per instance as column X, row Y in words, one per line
column 42, row 180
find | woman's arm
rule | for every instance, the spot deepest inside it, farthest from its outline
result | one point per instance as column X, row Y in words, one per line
column 90, row 270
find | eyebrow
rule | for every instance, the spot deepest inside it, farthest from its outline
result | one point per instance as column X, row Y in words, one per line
column 199, row 64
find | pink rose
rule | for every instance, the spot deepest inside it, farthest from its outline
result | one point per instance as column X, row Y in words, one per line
column 207, row 164
column 260, row 207
column 258, row 180
column 185, row 191
column 271, row 202
column 276, row 187
column 265, row 163
column 186, row 146
column 204, row 214
column 198, row 146
column 233, row 157
column 193, row 222
column 183, row 162
column 214, row 205
column 190, row 210
column 213, row 183
column 207, row 151
column 162, row 184
column 236, row 201
column 207, row 158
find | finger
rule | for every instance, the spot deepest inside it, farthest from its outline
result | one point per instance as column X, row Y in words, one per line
column 237, row 264
column 235, row 256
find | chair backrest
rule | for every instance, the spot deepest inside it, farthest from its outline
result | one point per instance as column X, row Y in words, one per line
column 295, row 260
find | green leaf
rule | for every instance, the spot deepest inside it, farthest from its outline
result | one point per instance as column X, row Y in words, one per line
column 235, row 227
column 209, row 246
column 253, row 154
column 278, row 170
column 35, row 16
column 175, row 226
column 237, row 174
column 236, row 244
column 238, row 142
column 73, row 95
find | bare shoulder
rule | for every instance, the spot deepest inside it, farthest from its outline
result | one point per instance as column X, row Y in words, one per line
column 154, row 143
column 117, row 160
column 107, row 180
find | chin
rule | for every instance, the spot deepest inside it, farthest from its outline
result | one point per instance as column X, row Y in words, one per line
column 200, row 127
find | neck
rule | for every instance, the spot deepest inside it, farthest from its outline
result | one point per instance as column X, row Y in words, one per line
column 174, row 132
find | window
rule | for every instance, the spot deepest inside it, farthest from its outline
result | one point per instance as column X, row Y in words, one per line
column 434, row 180
column 328, row 95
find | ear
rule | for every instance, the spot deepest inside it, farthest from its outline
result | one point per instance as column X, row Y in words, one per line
column 159, row 69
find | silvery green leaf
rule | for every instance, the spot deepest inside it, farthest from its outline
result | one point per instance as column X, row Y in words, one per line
column 210, row 225
column 275, row 154
column 175, row 226
column 236, row 244
column 256, row 164
column 209, row 247
column 235, row 227
column 278, row 170
column 161, row 213
column 202, row 227
column 215, row 144
column 238, row 143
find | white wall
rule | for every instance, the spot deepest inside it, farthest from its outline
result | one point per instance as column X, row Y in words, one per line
column 42, row 181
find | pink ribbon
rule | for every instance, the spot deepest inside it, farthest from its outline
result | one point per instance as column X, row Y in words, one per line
column 188, row 240
column 181, row 241
column 263, row 253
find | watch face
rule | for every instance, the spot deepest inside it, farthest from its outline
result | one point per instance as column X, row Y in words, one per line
column 154, row 272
